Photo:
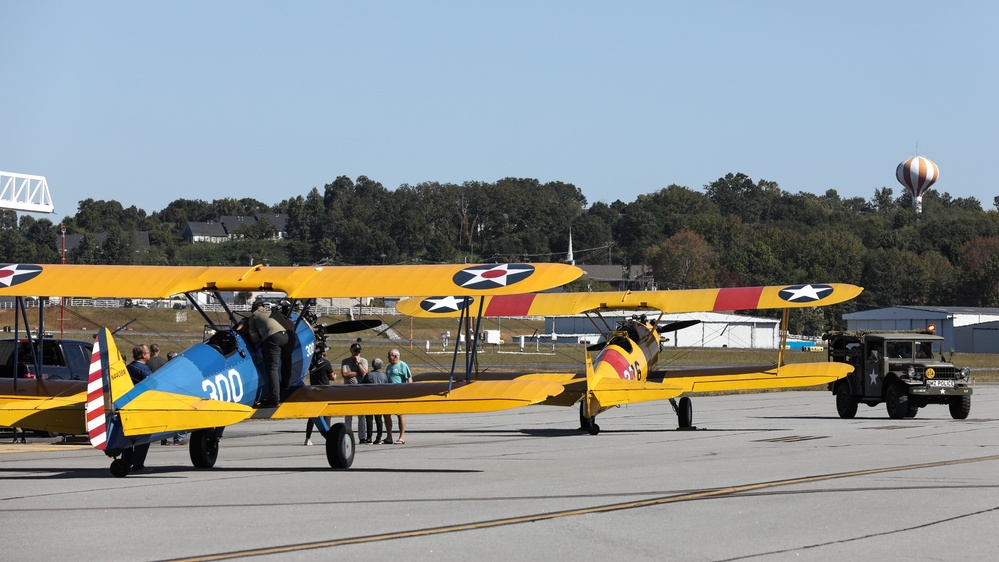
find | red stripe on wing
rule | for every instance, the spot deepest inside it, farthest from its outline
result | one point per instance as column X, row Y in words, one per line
column 509, row 305
column 739, row 298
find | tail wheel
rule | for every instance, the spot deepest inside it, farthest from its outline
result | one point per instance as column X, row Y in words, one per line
column 340, row 446
column 897, row 400
column 960, row 407
column 119, row 468
column 685, row 413
column 204, row 446
column 846, row 405
column 592, row 426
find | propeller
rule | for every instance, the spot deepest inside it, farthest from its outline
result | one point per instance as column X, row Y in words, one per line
column 675, row 326
column 350, row 326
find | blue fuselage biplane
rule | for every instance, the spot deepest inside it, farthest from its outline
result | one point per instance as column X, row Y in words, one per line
column 220, row 382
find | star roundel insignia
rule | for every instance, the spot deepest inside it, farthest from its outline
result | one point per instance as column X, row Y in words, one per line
column 805, row 293
column 492, row 276
column 442, row 305
column 16, row 273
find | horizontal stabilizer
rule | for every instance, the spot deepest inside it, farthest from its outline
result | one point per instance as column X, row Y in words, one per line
column 155, row 411
column 414, row 398
column 614, row 392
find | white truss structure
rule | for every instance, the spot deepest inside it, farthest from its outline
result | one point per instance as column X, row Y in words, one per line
column 22, row 192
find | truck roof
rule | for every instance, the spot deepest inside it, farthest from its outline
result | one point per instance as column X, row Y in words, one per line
column 884, row 334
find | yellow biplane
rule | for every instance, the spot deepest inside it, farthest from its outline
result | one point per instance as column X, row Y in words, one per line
column 625, row 368
column 221, row 381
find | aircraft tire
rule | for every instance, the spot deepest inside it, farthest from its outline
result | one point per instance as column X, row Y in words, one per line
column 897, row 401
column 685, row 413
column 340, row 446
column 204, row 447
column 960, row 407
column 593, row 428
column 846, row 405
column 119, row 468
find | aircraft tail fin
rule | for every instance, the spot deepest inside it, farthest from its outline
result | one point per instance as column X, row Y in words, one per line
column 108, row 380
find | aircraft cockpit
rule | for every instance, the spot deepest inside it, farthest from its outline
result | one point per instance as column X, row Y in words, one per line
column 222, row 339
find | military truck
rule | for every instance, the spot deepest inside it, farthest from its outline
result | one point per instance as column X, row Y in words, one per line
column 904, row 369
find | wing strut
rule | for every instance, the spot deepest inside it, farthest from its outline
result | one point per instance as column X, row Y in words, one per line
column 21, row 312
column 785, row 315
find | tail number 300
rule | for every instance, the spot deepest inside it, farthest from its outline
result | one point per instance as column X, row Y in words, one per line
column 225, row 387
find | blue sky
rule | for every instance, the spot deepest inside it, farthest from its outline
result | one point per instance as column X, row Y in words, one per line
column 150, row 102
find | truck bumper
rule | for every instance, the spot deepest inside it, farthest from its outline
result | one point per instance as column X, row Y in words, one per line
column 933, row 394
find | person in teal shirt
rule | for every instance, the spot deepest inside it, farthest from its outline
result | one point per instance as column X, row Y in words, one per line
column 398, row 372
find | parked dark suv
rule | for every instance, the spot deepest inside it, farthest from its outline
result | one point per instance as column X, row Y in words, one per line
column 62, row 359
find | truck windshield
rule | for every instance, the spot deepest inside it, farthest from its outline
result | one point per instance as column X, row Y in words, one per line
column 900, row 350
column 927, row 349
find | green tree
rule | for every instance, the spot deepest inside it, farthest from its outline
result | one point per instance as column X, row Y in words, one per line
column 88, row 251
column 683, row 261
column 118, row 247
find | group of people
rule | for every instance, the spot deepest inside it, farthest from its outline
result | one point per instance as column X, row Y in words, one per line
column 356, row 370
column 146, row 360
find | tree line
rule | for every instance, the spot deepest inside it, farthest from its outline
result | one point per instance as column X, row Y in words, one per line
column 734, row 232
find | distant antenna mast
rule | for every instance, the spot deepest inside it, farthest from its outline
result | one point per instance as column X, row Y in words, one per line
column 568, row 256
column 23, row 192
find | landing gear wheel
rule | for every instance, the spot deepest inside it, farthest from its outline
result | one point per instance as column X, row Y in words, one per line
column 897, row 401
column 846, row 405
column 685, row 413
column 339, row 446
column 119, row 468
column 204, row 447
column 960, row 407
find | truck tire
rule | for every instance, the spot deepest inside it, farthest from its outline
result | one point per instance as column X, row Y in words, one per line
column 846, row 405
column 960, row 407
column 897, row 400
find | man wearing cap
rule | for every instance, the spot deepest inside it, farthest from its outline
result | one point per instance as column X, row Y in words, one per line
column 353, row 370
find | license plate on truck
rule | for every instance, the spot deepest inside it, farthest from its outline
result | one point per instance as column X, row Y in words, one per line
column 940, row 384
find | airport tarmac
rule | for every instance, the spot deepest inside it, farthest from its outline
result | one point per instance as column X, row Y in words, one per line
column 773, row 476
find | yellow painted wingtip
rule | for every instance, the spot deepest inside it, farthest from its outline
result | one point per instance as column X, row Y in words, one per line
column 155, row 411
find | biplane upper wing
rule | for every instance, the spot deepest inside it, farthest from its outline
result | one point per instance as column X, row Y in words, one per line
column 140, row 281
column 687, row 300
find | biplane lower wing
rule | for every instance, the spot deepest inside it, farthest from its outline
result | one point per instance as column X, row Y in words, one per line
column 43, row 405
column 732, row 379
column 416, row 398
column 663, row 385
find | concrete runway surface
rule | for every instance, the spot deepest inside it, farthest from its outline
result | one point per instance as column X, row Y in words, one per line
column 775, row 476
